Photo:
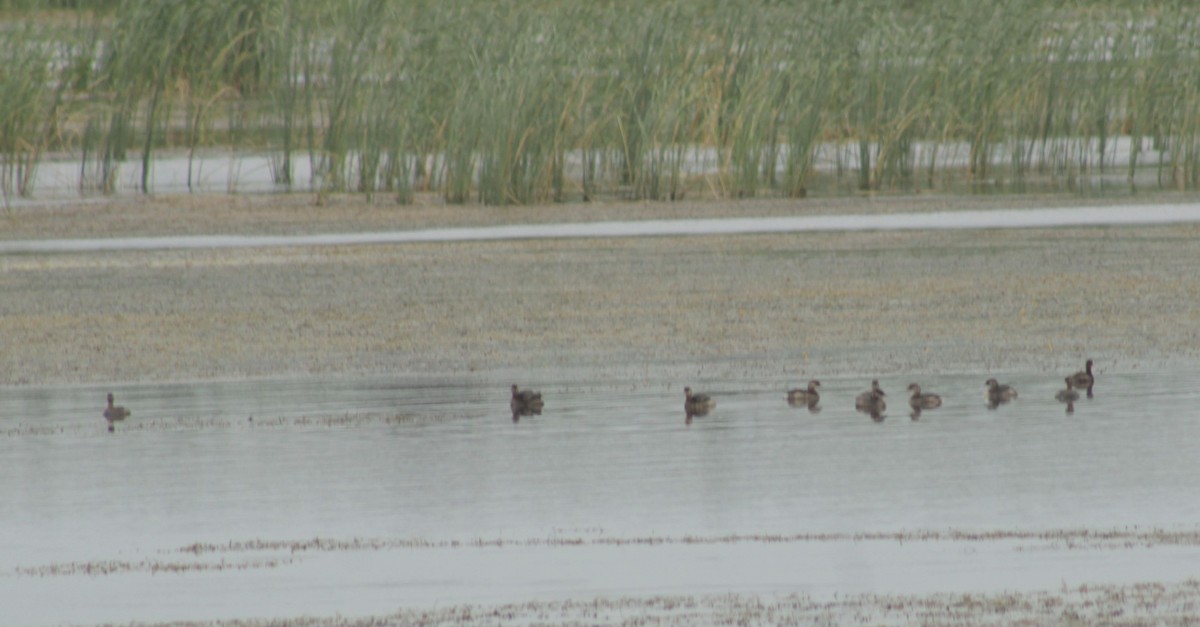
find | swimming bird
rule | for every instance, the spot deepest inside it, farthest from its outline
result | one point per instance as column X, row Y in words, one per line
column 697, row 404
column 525, row 403
column 114, row 414
column 525, row 397
column 923, row 401
column 800, row 396
column 872, row 400
column 997, row 394
column 1084, row 378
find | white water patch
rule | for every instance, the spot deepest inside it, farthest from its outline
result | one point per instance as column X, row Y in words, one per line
column 1124, row 215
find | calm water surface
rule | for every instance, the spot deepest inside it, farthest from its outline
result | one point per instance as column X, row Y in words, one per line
column 327, row 458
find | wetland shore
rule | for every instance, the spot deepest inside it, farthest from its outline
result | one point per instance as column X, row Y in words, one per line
column 762, row 308
column 737, row 306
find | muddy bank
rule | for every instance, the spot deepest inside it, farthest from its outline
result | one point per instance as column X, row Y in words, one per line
column 298, row 214
column 1162, row 603
column 732, row 306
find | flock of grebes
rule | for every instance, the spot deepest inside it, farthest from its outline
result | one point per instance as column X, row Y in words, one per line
column 872, row 402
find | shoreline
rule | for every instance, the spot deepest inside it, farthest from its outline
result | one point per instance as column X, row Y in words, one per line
column 1158, row 602
column 299, row 214
column 735, row 305
column 961, row 220
column 748, row 310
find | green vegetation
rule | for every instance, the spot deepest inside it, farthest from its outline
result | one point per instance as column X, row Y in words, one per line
column 519, row 102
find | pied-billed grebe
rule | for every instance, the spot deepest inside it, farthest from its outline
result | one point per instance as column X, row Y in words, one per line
column 525, row 396
column 997, row 392
column 113, row 414
column 872, row 399
column 1084, row 379
column 800, row 396
column 697, row 403
column 525, row 403
column 526, row 399
column 923, row 401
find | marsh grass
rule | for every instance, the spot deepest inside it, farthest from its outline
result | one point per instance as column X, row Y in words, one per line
column 28, row 111
column 518, row 103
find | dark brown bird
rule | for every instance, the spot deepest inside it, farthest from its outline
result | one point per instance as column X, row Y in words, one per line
column 525, row 403
column 801, row 396
column 1084, row 379
column 698, row 404
column 114, row 414
column 923, row 401
column 871, row 400
column 999, row 393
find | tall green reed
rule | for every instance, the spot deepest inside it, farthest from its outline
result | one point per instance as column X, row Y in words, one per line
column 26, row 111
column 518, row 102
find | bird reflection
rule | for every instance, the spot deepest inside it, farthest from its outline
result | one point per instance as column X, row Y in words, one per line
column 1069, row 395
column 915, row 415
column 813, row 405
column 994, row 403
column 876, row 415
column 518, row 413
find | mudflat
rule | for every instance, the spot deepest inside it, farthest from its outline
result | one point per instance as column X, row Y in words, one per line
column 721, row 305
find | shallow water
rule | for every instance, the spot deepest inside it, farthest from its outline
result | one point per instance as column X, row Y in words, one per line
column 559, row 500
column 242, row 173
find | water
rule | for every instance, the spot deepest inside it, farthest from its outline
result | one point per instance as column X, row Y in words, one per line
column 555, row 498
column 251, row 173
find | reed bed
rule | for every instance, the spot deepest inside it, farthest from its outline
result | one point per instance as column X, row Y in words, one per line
column 529, row 102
